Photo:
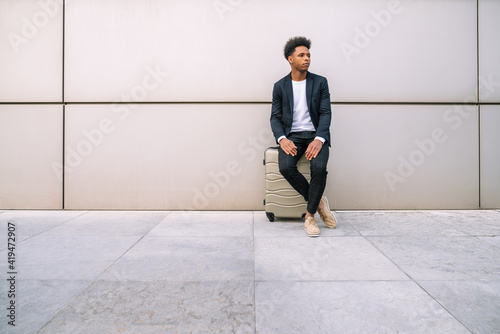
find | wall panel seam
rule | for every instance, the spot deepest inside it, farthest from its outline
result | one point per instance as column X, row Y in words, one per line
column 479, row 105
column 250, row 102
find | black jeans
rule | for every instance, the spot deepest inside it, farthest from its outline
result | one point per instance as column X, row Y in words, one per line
column 313, row 191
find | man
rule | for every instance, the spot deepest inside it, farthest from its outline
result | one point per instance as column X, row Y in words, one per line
column 300, row 120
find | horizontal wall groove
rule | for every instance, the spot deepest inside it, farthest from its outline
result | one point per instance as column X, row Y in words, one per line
column 248, row 102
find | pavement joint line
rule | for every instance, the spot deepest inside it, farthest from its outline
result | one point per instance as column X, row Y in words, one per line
column 97, row 278
column 50, row 228
column 414, row 281
column 440, row 304
column 133, row 245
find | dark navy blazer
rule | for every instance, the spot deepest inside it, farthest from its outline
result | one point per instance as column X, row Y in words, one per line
column 318, row 103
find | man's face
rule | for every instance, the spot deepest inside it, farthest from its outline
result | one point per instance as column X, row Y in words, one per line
column 300, row 58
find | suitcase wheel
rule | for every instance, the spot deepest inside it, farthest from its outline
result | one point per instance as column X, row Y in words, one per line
column 270, row 216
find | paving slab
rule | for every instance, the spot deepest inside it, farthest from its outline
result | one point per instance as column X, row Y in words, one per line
column 38, row 301
column 113, row 223
column 30, row 223
column 295, row 227
column 200, row 224
column 320, row 259
column 67, row 257
column 492, row 240
column 186, row 259
column 159, row 307
column 472, row 222
column 441, row 258
column 475, row 303
column 349, row 307
column 400, row 223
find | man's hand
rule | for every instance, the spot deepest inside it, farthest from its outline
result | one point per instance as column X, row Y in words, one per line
column 313, row 149
column 288, row 147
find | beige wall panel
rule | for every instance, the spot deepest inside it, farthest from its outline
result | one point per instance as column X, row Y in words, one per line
column 130, row 50
column 177, row 157
column 403, row 51
column 198, row 51
column 30, row 51
column 31, row 156
column 489, row 50
column 404, row 157
column 192, row 157
column 490, row 157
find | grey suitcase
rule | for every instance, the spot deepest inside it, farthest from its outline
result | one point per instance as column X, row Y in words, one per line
column 281, row 199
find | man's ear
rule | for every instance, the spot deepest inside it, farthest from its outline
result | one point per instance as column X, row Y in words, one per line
column 290, row 59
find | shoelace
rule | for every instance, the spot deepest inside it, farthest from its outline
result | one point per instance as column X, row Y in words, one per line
column 313, row 222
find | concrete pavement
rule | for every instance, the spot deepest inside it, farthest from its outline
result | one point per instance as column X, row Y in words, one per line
column 235, row 272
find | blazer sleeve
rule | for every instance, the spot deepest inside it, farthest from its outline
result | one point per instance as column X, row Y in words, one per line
column 277, row 112
column 324, row 112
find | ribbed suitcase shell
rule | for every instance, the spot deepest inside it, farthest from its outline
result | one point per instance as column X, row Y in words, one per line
column 281, row 199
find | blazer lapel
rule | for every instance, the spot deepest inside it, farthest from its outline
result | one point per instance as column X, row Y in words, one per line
column 309, row 87
column 289, row 91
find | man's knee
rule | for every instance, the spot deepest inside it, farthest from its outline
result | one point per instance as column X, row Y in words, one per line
column 287, row 170
column 318, row 169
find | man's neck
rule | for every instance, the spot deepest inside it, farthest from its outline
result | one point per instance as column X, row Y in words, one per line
column 298, row 76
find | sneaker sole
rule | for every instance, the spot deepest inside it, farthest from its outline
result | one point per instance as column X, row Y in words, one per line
column 311, row 235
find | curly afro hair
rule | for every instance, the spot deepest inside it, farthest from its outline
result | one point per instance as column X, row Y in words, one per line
column 293, row 43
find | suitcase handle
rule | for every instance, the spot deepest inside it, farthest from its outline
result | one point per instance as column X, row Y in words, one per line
column 270, row 147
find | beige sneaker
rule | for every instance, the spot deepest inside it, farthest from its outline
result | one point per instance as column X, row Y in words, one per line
column 312, row 230
column 326, row 215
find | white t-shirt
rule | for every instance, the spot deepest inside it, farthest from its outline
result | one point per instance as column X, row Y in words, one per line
column 301, row 118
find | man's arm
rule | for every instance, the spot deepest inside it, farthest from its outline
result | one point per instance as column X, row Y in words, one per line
column 277, row 113
column 325, row 111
